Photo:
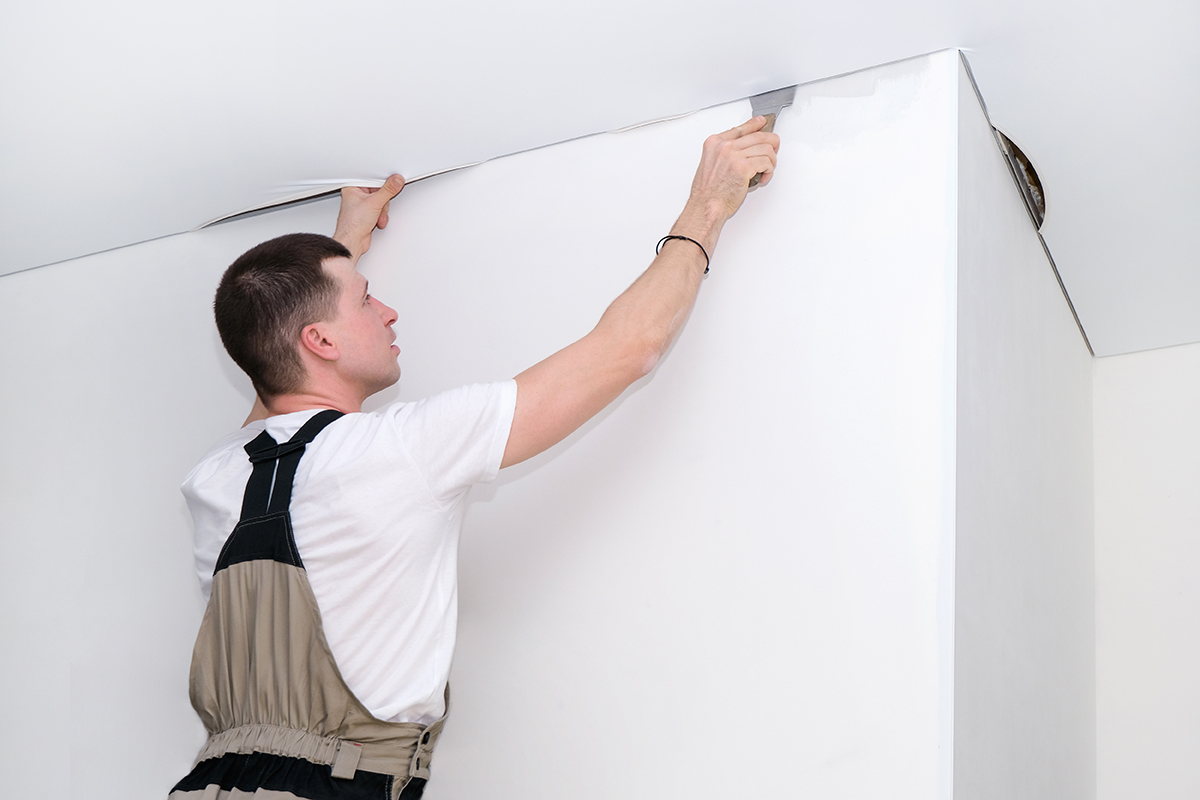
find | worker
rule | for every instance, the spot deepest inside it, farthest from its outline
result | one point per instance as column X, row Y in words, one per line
column 326, row 538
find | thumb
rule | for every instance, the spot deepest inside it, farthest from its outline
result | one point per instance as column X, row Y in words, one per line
column 391, row 187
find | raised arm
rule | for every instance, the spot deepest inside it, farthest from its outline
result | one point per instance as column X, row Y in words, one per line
column 362, row 211
column 557, row 395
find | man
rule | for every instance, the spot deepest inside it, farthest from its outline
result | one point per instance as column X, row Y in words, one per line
column 321, row 666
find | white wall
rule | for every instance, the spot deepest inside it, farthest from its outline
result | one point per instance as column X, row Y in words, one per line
column 731, row 584
column 114, row 385
column 738, row 580
column 1024, row 645
column 1148, row 573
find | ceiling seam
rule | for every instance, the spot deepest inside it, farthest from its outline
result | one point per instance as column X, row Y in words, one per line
column 1008, row 161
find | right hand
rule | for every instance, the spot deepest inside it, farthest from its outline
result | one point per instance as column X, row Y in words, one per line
column 729, row 161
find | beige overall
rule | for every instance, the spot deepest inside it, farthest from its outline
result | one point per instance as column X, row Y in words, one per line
column 281, row 722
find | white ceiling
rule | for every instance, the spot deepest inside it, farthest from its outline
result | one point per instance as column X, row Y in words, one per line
column 134, row 119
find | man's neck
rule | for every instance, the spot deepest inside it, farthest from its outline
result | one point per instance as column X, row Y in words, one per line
column 291, row 403
column 301, row 401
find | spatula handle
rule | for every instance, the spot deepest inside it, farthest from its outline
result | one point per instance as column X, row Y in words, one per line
column 770, row 126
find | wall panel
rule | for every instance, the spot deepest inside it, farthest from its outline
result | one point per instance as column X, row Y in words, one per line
column 1148, row 573
column 1024, row 643
column 115, row 385
column 731, row 584
column 734, row 581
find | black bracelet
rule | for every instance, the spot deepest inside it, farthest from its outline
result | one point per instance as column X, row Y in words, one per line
column 686, row 239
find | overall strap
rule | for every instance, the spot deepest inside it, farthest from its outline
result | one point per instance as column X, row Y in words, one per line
column 269, row 490
column 279, row 715
column 265, row 528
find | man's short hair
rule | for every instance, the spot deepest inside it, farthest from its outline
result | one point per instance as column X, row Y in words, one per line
column 266, row 298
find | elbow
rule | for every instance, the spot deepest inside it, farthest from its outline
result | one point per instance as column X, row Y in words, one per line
column 632, row 359
column 649, row 362
column 645, row 355
column 655, row 344
column 634, row 351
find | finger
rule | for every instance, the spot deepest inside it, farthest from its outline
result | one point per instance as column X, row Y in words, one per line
column 752, row 140
column 760, row 151
column 767, row 170
column 750, row 163
column 763, row 166
column 752, row 125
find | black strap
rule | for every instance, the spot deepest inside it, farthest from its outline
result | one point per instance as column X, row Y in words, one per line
column 269, row 489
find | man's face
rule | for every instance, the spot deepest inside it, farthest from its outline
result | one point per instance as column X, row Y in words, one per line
column 363, row 332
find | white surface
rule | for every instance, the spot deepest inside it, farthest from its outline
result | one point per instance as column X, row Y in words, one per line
column 1148, row 573
column 745, row 562
column 738, row 573
column 100, row 603
column 1024, row 697
column 131, row 120
column 118, row 386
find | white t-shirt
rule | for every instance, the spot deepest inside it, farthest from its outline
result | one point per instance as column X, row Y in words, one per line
column 377, row 507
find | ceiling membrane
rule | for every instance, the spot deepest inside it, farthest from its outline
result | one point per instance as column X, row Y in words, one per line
column 129, row 121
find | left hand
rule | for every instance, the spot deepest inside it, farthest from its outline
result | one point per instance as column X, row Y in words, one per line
column 363, row 210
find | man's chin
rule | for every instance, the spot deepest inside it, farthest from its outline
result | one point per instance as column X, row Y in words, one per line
column 384, row 383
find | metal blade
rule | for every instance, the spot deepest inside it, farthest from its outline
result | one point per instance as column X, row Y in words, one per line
column 769, row 104
column 773, row 101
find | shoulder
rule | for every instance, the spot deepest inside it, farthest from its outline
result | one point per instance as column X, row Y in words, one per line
column 463, row 405
column 454, row 438
column 226, row 451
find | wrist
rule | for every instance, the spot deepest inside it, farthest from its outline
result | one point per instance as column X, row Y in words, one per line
column 352, row 243
column 673, row 237
column 701, row 221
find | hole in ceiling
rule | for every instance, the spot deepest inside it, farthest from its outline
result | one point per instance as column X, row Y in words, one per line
column 1027, row 178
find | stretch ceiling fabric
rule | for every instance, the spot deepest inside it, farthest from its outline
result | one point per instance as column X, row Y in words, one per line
column 132, row 120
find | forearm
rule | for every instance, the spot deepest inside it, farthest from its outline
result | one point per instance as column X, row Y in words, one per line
column 354, row 243
column 650, row 313
column 645, row 319
column 557, row 395
column 361, row 212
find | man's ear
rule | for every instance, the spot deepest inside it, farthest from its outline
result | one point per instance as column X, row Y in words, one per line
column 315, row 339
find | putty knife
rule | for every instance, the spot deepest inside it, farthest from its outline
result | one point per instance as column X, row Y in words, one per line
column 769, row 104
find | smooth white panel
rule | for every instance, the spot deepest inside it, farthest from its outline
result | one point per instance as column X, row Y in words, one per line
column 1148, row 573
column 116, row 383
column 733, row 582
column 1024, row 643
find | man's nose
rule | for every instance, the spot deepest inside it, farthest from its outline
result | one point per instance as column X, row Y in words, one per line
column 387, row 312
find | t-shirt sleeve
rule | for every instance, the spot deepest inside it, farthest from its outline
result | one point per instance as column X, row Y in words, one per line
column 457, row 438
